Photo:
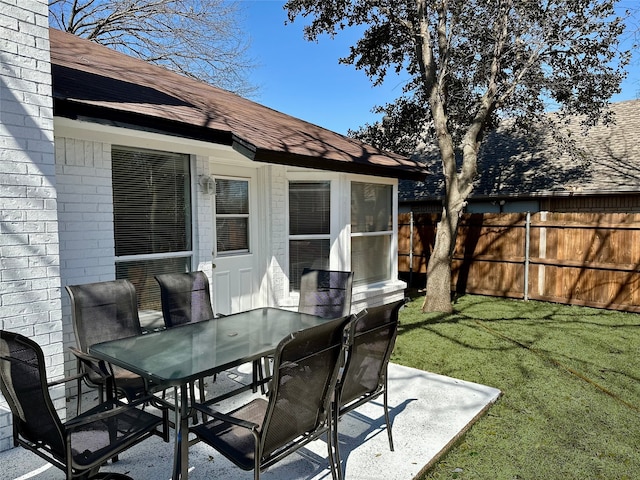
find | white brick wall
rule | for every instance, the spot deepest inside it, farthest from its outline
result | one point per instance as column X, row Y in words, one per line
column 29, row 249
column 85, row 212
column 204, row 220
column 279, row 233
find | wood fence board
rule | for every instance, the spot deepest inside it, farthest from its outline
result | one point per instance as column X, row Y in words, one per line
column 576, row 258
column 482, row 277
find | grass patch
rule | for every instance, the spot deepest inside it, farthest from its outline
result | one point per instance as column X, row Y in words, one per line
column 569, row 375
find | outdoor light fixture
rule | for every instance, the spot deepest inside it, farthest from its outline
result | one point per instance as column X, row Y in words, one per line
column 207, row 184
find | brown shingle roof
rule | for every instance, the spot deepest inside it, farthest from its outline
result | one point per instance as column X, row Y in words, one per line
column 519, row 164
column 96, row 83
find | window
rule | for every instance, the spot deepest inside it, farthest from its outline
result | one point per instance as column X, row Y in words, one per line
column 371, row 232
column 152, row 218
column 232, row 216
column 309, row 228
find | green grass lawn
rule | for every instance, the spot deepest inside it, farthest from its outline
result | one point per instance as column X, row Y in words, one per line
column 570, row 378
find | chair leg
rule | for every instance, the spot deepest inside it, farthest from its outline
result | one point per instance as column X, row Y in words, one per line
column 265, row 373
column 335, row 442
column 256, row 454
column 332, row 445
column 202, row 399
column 386, row 418
column 201, row 389
column 258, row 377
column 192, row 396
column 79, row 402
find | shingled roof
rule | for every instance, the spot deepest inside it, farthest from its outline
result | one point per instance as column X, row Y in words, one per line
column 532, row 164
column 95, row 83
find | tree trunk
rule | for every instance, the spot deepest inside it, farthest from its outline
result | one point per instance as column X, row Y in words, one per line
column 438, row 290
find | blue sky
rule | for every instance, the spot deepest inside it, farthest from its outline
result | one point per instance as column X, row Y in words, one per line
column 305, row 80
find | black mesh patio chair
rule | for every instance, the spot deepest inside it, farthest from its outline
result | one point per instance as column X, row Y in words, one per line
column 369, row 340
column 101, row 312
column 325, row 293
column 80, row 446
column 297, row 411
column 185, row 299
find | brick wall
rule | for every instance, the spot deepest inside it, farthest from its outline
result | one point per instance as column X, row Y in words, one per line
column 85, row 212
column 278, row 234
column 203, row 241
column 29, row 258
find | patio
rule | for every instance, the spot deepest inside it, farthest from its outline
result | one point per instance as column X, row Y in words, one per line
column 429, row 412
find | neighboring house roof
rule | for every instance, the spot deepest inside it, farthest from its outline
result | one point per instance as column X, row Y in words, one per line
column 607, row 161
column 94, row 83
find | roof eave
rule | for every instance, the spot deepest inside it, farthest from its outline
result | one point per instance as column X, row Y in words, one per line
column 357, row 167
column 104, row 115
column 75, row 110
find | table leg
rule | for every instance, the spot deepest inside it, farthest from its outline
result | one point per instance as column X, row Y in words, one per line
column 181, row 445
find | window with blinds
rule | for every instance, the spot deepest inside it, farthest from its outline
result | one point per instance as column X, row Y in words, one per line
column 152, row 218
column 232, row 216
column 309, row 228
column 371, row 232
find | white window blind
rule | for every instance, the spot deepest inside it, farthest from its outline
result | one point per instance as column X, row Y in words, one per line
column 152, row 217
column 371, row 232
column 232, row 216
column 309, row 228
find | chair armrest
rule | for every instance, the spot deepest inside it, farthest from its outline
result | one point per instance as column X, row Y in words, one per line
column 94, row 364
column 207, row 410
column 119, row 407
column 66, row 379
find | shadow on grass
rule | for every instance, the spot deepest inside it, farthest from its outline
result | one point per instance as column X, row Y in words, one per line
column 493, row 309
column 590, row 344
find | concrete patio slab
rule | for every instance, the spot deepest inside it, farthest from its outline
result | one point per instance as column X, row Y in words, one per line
column 428, row 412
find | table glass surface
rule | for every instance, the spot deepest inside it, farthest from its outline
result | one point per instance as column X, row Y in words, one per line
column 180, row 354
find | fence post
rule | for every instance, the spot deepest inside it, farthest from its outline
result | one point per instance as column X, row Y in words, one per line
column 527, row 255
column 411, row 247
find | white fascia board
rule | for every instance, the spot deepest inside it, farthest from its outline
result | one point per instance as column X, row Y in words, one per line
column 95, row 132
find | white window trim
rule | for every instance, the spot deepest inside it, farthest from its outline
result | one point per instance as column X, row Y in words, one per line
column 341, row 224
column 248, row 216
column 393, row 244
column 191, row 254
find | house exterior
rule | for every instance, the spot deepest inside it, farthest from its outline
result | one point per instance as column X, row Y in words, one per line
column 532, row 173
column 114, row 168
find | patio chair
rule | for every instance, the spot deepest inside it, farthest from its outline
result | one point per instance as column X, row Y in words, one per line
column 325, row 293
column 101, row 312
column 185, row 298
column 369, row 340
column 80, row 446
column 297, row 411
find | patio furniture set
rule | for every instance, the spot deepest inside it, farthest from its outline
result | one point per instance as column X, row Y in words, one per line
column 312, row 367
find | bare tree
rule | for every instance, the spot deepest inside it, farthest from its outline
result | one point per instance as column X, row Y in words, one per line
column 473, row 63
column 198, row 38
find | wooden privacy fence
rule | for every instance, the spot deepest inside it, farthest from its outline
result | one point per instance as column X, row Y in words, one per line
column 573, row 258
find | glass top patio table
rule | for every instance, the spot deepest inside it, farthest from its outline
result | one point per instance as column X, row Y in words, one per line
column 179, row 355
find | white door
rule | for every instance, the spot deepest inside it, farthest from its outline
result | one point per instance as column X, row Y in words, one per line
column 235, row 278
